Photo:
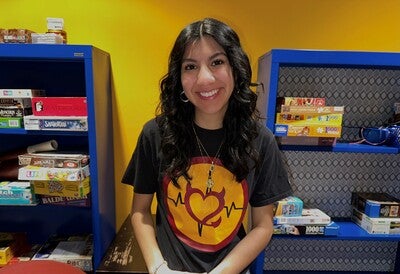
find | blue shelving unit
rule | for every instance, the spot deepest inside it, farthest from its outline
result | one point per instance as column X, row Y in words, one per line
column 65, row 70
column 367, row 84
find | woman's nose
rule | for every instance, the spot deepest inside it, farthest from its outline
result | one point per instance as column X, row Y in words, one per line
column 205, row 75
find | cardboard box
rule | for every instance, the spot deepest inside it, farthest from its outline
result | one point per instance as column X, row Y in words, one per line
column 309, row 216
column 306, row 141
column 375, row 204
column 331, row 229
column 59, row 160
column 309, row 119
column 66, row 123
column 310, row 131
column 65, row 201
column 63, row 188
column 11, row 122
column 16, row 102
column 54, row 174
column 376, row 225
column 300, row 101
column 312, row 109
column 17, row 193
column 290, row 206
column 21, row 93
column 14, row 111
column 59, row 106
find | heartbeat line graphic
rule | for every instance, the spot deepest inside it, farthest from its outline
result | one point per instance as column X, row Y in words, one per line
column 232, row 207
column 178, row 200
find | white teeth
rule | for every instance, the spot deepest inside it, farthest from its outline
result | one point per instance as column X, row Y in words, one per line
column 209, row 93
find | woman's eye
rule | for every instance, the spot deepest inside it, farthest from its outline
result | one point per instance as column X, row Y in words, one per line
column 217, row 62
column 189, row 67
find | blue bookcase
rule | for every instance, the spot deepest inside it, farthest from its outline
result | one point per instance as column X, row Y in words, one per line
column 367, row 84
column 65, row 70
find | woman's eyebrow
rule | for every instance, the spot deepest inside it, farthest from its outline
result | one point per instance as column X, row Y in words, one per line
column 210, row 58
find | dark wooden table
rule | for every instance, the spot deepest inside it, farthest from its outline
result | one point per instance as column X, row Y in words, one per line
column 123, row 254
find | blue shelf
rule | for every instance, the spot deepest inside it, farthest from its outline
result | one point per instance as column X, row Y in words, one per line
column 21, row 131
column 66, row 70
column 345, row 147
column 349, row 231
column 306, row 73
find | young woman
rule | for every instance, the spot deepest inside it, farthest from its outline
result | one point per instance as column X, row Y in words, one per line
column 207, row 159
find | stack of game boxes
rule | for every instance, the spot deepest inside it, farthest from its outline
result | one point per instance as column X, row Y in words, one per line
column 376, row 213
column 290, row 218
column 58, row 113
column 57, row 178
column 307, row 121
column 15, row 104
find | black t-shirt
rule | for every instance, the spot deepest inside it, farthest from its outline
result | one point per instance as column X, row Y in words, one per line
column 197, row 226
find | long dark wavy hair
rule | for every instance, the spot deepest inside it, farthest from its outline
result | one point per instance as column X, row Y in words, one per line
column 175, row 117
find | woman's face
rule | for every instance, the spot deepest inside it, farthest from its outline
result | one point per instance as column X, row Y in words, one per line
column 207, row 80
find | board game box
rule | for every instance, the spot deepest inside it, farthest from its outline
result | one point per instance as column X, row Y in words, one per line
column 289, row 206
column 59, row 106
column 376, row 225
column 300, row 101
column 306, row 141
column 21, row 93
column 17, row 193
column 66, row 123
column 62, row 188
column 64, row 201
column 309, row 119
column 331, row 229
column 309, row 216
column 310, row 131
column 11, row 122
column 312, row 109
column 13, row 111
column 56, row 159
column 55, row 174
column 375, row 204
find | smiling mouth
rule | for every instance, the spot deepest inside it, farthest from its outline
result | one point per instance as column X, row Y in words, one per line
column 208, row 94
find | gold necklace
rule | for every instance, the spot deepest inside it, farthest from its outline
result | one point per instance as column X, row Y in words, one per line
column 210, row 181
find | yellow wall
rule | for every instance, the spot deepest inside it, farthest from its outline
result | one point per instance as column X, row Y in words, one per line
column 139, row 34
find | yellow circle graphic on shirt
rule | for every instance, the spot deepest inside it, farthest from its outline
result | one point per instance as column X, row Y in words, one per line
column 206, row 218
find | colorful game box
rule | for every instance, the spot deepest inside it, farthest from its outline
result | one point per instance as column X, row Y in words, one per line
column 11, row 122
column 375, row 204
column 64, row 201
column 54, row 174
column 376, row 225
column 63, row 188
column 309, row 216
column 312, row 109
column 66, row 123
column 59, row 106
column 17, row 193
column 331, row 229
column 290, row 206
column 333, row 119
column 300, row 101
column 310, row 131
column 21, row 93
column 56, row 159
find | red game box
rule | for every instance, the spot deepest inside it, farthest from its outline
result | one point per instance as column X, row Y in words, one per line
column 59, row 106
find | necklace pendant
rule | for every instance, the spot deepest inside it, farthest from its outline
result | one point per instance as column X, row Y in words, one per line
column 210, row 183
